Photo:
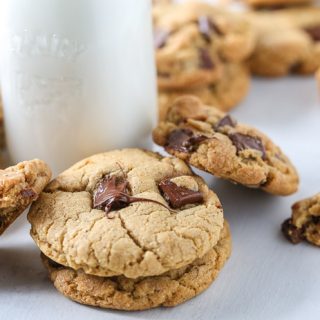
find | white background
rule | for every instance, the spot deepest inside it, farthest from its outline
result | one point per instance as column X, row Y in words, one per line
column 266, row 277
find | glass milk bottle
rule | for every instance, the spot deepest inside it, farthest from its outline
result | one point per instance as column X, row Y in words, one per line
column 77, row 77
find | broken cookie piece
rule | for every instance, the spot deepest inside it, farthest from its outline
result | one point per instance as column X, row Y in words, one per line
column 305, row 221
column 20, row 185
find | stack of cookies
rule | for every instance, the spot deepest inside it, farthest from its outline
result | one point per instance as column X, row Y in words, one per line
column 130, row 230
column 200, row 50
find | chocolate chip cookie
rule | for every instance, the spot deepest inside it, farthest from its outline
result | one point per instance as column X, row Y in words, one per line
column 213, row 141
column 126, row 213
column 304, row 223
column 168, row 289
column 193, row 39
column 19, row 186
column 225, row 94
column 287, row 42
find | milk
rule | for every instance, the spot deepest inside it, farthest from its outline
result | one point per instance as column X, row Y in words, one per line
column 78, row 77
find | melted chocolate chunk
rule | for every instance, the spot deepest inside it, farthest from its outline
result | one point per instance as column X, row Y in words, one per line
column 205, row 59
column 28, row 193
column 291, row 232
column 160, row 37
column 113, row 194
column 177, row 196
column 184, row 140
column 314, row 33
column 207, row 27
column 226, row 121
column 243, row 142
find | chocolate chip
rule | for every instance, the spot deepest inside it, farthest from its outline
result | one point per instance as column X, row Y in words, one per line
column 205, row 59
column 291, row 232
column 177, row 196
column 28, row 193
column 243, row 142
column 160, row 37
column 207, row 27
column 226, row 121
column 113, row 194
column 314, row 32
column 184, row 140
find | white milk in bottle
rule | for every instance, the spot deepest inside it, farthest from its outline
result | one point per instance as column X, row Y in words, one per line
column 77, row 77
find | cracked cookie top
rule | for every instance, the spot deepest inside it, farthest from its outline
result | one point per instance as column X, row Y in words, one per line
column 19, row 186
column 128, row 212
column 211, row 140
column 193, row 40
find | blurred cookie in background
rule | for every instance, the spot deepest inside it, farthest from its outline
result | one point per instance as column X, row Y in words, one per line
column 195, row 40
column 287, row 42
column 224, row 95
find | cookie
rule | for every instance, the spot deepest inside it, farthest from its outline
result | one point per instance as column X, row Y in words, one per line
column 305, row 221
column 211, row 140
column 307, row 20
column 225, row 94
column 128, row 212
column 19, row 186
column 193, row 40
column 169, row 289
column 287, row 42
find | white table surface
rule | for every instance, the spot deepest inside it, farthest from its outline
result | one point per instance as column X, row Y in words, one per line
column 266, row 277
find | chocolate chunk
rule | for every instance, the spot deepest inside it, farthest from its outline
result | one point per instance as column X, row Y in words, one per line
column 113, row 194
column 205, row 59
column 160, row 37
column 314, row 33
column 177, row 196
column 291, row 232
column 28, row 193
column 243, row 142
column 315, row 219
column 207, row 27
column 226, row 121
column 184, row 140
